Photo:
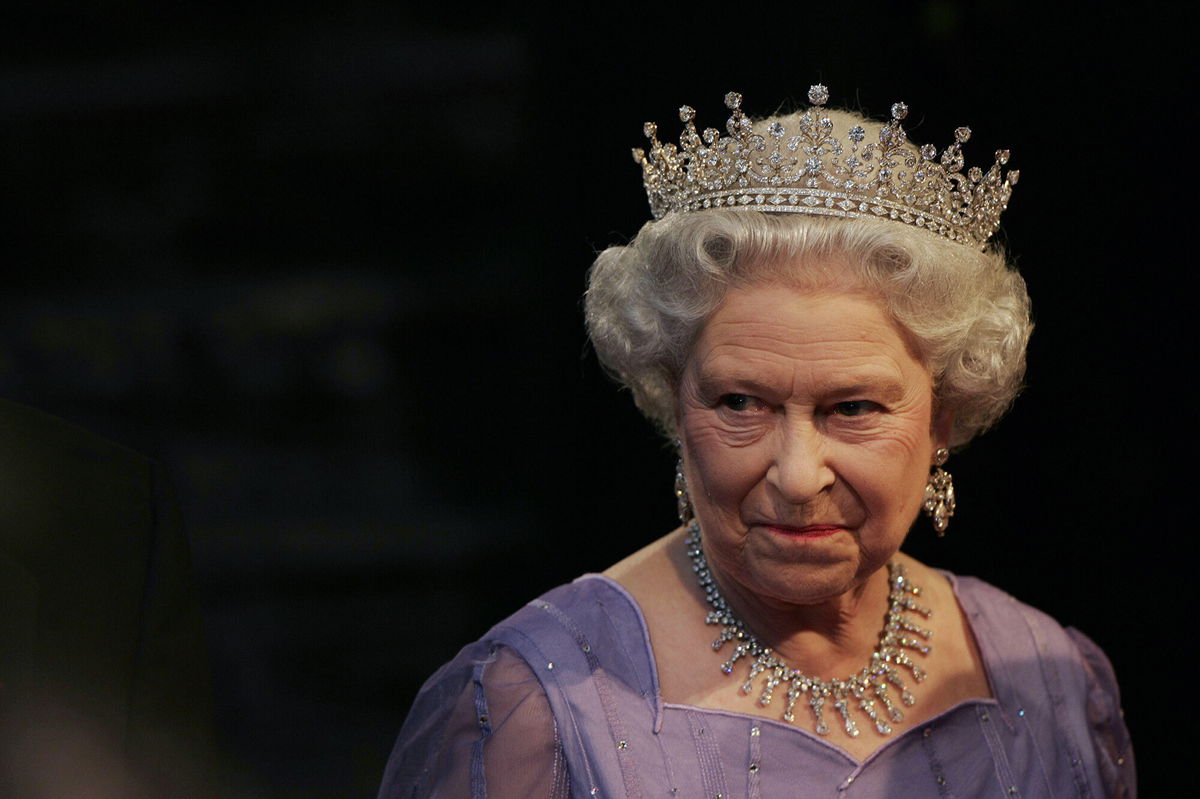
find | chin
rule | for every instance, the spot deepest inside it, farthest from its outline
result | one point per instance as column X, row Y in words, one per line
column 809, row 583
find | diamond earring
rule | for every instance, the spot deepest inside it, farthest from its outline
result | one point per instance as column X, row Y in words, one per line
column 683, row 502
column 939, row 493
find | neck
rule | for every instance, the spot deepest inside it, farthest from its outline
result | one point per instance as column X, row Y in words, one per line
column 828, row 639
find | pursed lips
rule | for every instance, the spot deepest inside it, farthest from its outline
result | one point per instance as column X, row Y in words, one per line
column 812, row 530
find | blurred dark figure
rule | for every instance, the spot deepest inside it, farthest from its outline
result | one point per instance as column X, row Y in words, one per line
column 105, row 686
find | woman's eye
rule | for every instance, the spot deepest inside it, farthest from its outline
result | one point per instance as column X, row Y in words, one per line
column 738, row 402
column 855, row 407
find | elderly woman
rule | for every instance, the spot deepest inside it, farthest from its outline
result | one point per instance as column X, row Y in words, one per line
column 816, row 319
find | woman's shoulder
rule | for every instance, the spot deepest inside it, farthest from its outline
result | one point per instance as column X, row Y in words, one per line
column 1009, row 631
column 1006, row 621
column 556, row 630
column 575, row 608
column 1031, row 658
column 484, row 712
column 595, row 616
column 577, row 626
column 579, row 651
column 1040, row 667
column 566, row 632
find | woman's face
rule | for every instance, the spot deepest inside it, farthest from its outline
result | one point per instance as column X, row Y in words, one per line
column 808, row 432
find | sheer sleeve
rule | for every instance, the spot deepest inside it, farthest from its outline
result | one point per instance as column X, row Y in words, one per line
column 480, row 728
column 1110, row 737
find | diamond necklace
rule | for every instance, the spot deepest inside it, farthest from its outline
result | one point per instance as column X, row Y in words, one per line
column 869, row 688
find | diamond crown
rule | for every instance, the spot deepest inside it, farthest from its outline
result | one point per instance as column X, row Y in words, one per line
column 809, row 170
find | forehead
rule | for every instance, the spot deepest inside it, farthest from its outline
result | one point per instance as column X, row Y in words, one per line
column 775, row 325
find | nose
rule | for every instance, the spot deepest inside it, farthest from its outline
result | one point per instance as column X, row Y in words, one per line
column 800, row 469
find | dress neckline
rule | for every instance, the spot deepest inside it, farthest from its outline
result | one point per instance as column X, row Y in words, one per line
column 661, row 706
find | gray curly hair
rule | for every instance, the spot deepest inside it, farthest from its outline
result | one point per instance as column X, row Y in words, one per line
column 966, row 312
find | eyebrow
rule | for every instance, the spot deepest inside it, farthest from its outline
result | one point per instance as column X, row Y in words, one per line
column 711, row 384
column 887, row 388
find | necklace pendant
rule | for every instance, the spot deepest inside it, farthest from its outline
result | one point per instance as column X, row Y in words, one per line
column 843, row 707
column 816, row 703
column 793, row 693
column 867, row 706
column 896, row 714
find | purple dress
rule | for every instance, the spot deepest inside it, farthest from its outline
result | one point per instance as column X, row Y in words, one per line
column 561, row 699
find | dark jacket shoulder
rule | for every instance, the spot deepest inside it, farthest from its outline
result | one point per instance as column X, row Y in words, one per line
column 98, row 617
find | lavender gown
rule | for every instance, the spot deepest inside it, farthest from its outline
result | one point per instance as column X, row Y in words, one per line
column 561, row 700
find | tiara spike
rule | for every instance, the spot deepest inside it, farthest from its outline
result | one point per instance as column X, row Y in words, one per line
column 811, row 170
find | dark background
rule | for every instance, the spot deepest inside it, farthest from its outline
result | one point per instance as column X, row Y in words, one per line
column 326, row 264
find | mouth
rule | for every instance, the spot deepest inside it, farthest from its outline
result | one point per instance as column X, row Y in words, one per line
column 808, row 531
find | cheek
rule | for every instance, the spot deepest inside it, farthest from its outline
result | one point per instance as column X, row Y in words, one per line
column 719, row 474
column 891, row 475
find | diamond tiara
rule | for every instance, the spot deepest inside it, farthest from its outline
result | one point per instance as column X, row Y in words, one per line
column 812, row 171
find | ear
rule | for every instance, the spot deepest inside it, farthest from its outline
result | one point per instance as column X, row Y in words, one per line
column 943, row 426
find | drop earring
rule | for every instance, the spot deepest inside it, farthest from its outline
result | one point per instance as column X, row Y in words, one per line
column 683, row 503
column 939, row 493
